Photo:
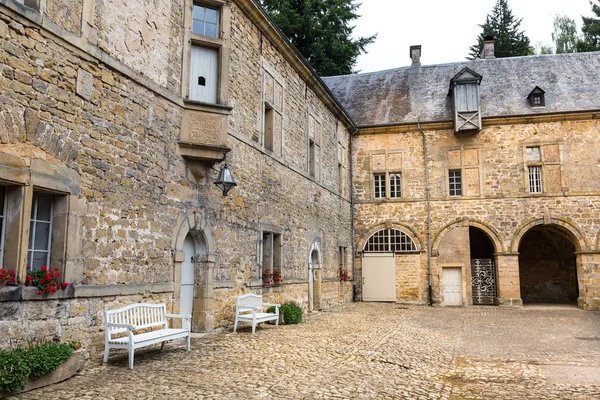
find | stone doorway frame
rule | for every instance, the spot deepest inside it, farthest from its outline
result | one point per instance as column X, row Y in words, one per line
column 195, row 225
column 315, row 265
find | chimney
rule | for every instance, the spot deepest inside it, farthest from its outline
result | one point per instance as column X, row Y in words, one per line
column 415, row 55
column 488, row 47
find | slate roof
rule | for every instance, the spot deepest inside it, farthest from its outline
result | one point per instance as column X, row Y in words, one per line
column 420, row 94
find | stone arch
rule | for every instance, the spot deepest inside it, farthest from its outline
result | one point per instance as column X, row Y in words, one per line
column 492, row 234
column 575, row 235
column 194, row 225
column 409, row 231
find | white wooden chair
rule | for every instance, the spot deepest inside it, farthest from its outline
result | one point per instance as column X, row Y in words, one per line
column 249, row 308
column 139, row 316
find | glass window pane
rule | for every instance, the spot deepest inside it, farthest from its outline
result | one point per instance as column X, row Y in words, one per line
column 42, row 236
column 198, row 27
column 211, row 30
column 44, row 208
column 211, row 15
column 198, row 13
column 39, row 259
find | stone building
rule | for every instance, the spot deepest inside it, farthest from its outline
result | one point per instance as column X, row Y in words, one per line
column 478, row 182
column 115, row 119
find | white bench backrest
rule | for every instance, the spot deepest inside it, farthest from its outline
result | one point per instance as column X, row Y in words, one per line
column 249, row 302
column 141, row 315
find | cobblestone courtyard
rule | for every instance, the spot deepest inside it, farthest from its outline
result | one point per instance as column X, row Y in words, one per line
column 367, row 351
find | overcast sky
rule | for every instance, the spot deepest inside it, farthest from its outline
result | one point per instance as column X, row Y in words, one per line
column 447, row 28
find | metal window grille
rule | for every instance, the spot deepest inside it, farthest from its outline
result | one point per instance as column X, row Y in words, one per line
column 455, row 183
column 535, row 179
column 390, row 240
column 379, row 180
column 2, row 223
column 533, row 154
column 205, row 21
column 395, row 186
column 40, row 230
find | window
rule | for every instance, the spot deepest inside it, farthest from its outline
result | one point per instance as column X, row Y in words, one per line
column 205, row 21
column 341, row 179
column 40, row 231
column 533, row 154
column 379, row 181
column 268, row 128
column 537, row 97
column 395, row 186
column 455, row 182
column 535, row 179
column 314, row 146
column 390, row 241
column 2, row 223
column 537, row 100
column 272, row 244
column 312, row 155
column 464, row 88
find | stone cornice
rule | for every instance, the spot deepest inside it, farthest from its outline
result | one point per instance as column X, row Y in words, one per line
column 297, row 61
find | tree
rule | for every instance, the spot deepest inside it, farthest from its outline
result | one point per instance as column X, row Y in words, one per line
column 564, row 35
column 504, row 27
column 320, row 30
column 590, row 30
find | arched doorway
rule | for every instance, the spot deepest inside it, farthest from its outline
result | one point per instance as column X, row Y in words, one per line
column 548, row 266
column 314, row 278
column 483, row 267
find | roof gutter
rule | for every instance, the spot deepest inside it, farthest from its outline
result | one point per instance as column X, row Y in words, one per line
column 428, row 197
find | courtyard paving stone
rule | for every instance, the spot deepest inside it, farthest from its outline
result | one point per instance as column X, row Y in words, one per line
column 367, row 351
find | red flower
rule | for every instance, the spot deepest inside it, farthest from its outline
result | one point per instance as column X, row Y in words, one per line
column 28, row 268
column 11, row 278
column 56, row 274
column 11, row 272
column 65, row 285
column 2, row 273
column 41, row 280
column 39, row 292
column 48, row 277
column 43, row 268
column 29, row 278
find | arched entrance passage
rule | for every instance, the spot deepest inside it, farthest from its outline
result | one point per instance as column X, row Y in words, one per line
column 483, row 267
column 548, row 266
column 314, row 277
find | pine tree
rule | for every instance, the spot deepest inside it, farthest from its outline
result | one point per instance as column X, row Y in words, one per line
column 320, row 30
column 591, row 31
column 504, row 27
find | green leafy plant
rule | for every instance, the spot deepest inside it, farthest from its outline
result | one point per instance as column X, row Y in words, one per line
column 292, row 314
column 32, row 361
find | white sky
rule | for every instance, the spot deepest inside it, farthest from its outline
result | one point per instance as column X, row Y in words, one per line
column 447, row 28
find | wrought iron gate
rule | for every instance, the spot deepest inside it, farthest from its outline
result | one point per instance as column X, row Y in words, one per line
column 483, row 277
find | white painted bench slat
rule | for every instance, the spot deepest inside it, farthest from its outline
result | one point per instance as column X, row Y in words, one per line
column 249, row 308
column 139, row 316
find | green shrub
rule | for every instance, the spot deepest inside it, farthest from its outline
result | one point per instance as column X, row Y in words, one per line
column 271, row 309
column 33, row 361
column 292, row 314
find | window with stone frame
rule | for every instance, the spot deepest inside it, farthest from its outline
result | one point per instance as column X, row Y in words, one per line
column 342, row 166
column 455, row 182
column 543, row 168
column 271, row 132
column 386, row 175
column 314, row 147
column 463, row 178
column 272, row 256
column 342, row 262
column 205, row 52
column 40, row 230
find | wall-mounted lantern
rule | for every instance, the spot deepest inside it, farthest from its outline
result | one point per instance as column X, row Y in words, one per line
column 225, row 180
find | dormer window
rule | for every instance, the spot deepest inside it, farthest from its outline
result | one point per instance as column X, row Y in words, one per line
column 464, row 89
column 536, row 97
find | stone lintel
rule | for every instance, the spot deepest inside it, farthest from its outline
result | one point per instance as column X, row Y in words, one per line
column 54, row 177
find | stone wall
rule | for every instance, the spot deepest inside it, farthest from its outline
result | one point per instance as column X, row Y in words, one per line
column 495, row 190
column 110, row 125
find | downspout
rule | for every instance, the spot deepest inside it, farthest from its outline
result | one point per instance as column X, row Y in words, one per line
column 428, row 199
column 352, row 221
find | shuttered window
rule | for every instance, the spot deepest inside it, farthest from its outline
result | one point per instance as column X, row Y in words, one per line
column 466, row 97
column 204, row 71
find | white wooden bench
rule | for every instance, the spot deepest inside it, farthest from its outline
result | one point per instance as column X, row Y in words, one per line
column 249, row 308
column 136, row 317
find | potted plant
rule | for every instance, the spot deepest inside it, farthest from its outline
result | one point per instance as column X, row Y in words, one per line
column 7, row 277
column 277, row 276
column 46, row 280
column 345, row 276
column 267, row 277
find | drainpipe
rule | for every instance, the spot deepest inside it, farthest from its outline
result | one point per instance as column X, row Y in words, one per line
column 428, row 197
column 352, row 216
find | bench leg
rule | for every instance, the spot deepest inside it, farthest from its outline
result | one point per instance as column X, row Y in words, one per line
column 162, row 345
column 235, row 324
column 187, row 343
column 131, row 358
column 253, row 327
column 106, row 350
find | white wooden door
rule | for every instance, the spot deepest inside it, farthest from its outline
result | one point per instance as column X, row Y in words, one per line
column 204, row 63
column 379, row 277
column 187, row 277
column 452, row 281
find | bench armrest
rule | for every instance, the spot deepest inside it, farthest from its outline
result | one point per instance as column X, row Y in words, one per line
column 116, row 325
column 182, row 316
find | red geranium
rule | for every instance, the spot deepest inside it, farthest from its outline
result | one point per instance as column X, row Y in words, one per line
column 46, row 280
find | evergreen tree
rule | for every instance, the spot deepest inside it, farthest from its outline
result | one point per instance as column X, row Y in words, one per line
column 320, row 30
column 591, row 31
column 504, row 27
column 564, row 35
